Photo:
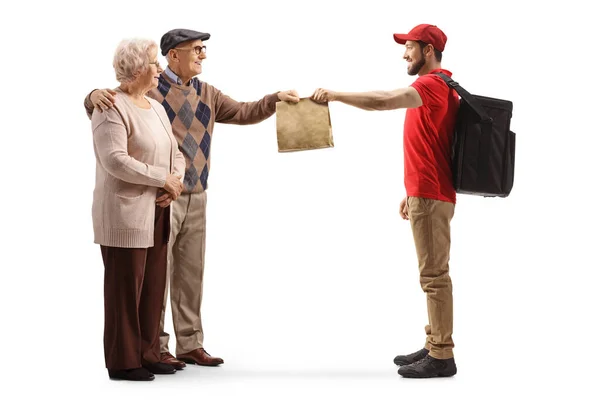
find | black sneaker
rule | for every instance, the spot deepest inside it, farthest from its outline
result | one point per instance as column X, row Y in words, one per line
column 429, row 367
column 134, row 374
column 160, row 368
column 411, row 358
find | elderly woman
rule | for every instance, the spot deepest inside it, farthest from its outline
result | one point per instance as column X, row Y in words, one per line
column 138, row 173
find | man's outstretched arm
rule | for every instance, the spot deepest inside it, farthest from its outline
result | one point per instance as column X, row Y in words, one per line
column 376, row 100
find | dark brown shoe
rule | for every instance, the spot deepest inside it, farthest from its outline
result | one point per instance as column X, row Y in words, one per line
column 200, row 357
column 167, row 358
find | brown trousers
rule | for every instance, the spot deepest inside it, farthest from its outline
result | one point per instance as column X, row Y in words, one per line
column 134, row 285
column 430, row 223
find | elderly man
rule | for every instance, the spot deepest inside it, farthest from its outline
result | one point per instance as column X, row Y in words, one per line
column 193, row 108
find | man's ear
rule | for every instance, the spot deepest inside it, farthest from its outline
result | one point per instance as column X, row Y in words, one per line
column 429, row 50
column 172, row 55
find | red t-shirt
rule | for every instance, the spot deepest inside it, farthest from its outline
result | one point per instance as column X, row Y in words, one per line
column 428, row 132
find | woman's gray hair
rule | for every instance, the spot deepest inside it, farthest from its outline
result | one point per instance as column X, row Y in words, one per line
column 132, row 57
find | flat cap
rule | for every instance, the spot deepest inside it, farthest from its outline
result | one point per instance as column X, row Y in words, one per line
column 172, row 38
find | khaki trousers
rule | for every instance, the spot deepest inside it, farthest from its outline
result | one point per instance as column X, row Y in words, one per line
column 430, row 223
column 185, row 272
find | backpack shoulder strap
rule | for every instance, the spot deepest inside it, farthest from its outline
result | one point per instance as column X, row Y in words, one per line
column 466, row 96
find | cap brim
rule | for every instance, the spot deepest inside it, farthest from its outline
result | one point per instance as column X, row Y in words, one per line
column 401, row 38
column 204, row 36
column 200, row 36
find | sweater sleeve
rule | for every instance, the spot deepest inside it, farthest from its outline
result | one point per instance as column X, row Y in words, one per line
column 110, row 141
column 229, row 111
column 87, row 103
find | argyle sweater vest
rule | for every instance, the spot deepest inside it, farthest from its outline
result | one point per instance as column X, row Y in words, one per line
column 193, row 111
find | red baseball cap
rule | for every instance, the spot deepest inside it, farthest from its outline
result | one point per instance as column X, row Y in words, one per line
column 429, row 34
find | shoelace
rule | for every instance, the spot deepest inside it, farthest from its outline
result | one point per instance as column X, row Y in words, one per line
column 421, row 361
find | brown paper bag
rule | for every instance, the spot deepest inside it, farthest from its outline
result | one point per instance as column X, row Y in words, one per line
column 303, row 126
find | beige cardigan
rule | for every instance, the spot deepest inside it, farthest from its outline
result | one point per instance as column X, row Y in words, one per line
column 127, row 174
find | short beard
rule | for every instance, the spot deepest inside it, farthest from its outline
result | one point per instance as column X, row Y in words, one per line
column 416, row 67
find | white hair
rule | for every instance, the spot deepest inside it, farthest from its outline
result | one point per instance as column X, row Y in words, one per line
column 132, row 57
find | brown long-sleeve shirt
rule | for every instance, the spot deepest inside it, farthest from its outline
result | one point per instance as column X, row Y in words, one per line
column 193, row 111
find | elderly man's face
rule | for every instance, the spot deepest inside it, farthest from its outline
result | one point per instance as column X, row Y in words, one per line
column 190, row 56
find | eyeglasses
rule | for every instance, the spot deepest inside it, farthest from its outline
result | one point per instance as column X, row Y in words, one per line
column 155, row 63
column 198, row 49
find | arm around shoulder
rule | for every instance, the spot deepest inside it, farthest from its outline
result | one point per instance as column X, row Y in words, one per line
column 88, row 105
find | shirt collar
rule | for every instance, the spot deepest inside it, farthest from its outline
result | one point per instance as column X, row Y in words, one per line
column 173, row 76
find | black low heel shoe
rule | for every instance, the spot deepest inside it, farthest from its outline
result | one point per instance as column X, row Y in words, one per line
column 135, row 374
column 160, row 368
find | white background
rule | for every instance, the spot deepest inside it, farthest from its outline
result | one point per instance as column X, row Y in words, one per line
column 311, row 284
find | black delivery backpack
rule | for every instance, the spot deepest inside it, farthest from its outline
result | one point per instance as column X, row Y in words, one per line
column 483, row 150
